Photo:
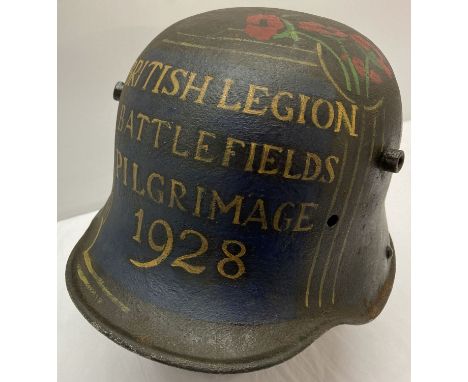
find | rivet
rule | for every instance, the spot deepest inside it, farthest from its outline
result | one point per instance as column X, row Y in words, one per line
column 392, row 160
column 389, row 252
column 118, row 90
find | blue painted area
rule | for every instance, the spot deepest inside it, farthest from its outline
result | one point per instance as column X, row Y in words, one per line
column 272, row 264
column 272, row 287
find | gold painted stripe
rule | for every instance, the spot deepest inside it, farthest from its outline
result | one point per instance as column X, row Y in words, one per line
column 375, row 106
column 278, row 58
column 354, row 211
column 107, row 207
column 89, row 265
column 247, row 40
column 329, row 76
column 100, row 282
column 383, row 131
column 345, row 208
column 85, row 281
column 330, row 209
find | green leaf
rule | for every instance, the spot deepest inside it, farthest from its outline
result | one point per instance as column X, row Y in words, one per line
column 287, row 34
column 284, row 34
column 289, row 26
column 373, row 58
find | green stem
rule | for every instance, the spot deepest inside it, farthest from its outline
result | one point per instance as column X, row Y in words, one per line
column 367, row 75
column 343, row 67
column 290, row 28
column 353, row 69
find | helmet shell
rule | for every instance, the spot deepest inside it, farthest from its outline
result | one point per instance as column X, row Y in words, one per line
column 247, row 211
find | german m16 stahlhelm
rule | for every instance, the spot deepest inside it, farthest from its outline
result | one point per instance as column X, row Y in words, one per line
column 253, row 151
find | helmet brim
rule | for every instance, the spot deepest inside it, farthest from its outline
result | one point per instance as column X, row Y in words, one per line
column 178, row 340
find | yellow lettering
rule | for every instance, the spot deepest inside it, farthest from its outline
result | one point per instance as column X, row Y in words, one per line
column 200, row 191
column 224, row 208
column 135, row 182
column 331, row 113
column 222, row 102
column 203, row 147
column 118, row 162
column 155, row 65
column 261, row 218
column 125, row 161
column 120, row 118
column 303, row 216
column 266, row 159
column 175, row 82
column 277, row 216
column 274, row 107
column 143, row 118
column 161, row 77
column 343, row 116
column 250, row 160
column 201, row 90
column 253, row 100
column 129, row 125
column 317, row 168
column 183, row 154
column 228, row 152
column 302, row 110
column 160, row 122
column 174, row 198
column 330, row 170
column 140, row 72
column 288, row 165
column 149, row 187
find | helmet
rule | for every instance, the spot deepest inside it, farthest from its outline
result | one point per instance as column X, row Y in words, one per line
column 253, row 151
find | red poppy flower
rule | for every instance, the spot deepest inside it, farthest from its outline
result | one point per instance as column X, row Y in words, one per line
column 364, row 43
column 311, row 26
column 368, row 46
column 359, row 65
column 263, row 27
column 383, row 64
column 336, row 32
column 361, row 69
column 374, row 77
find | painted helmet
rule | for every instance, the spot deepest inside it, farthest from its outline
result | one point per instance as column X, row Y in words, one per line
column 253, row 151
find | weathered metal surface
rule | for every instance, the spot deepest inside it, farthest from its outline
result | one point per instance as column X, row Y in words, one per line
column 253, row 151
column 392, row 160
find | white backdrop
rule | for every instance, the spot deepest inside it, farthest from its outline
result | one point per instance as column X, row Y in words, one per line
column 98, row 42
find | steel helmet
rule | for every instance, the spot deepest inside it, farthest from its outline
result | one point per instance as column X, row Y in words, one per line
column 253, row 151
